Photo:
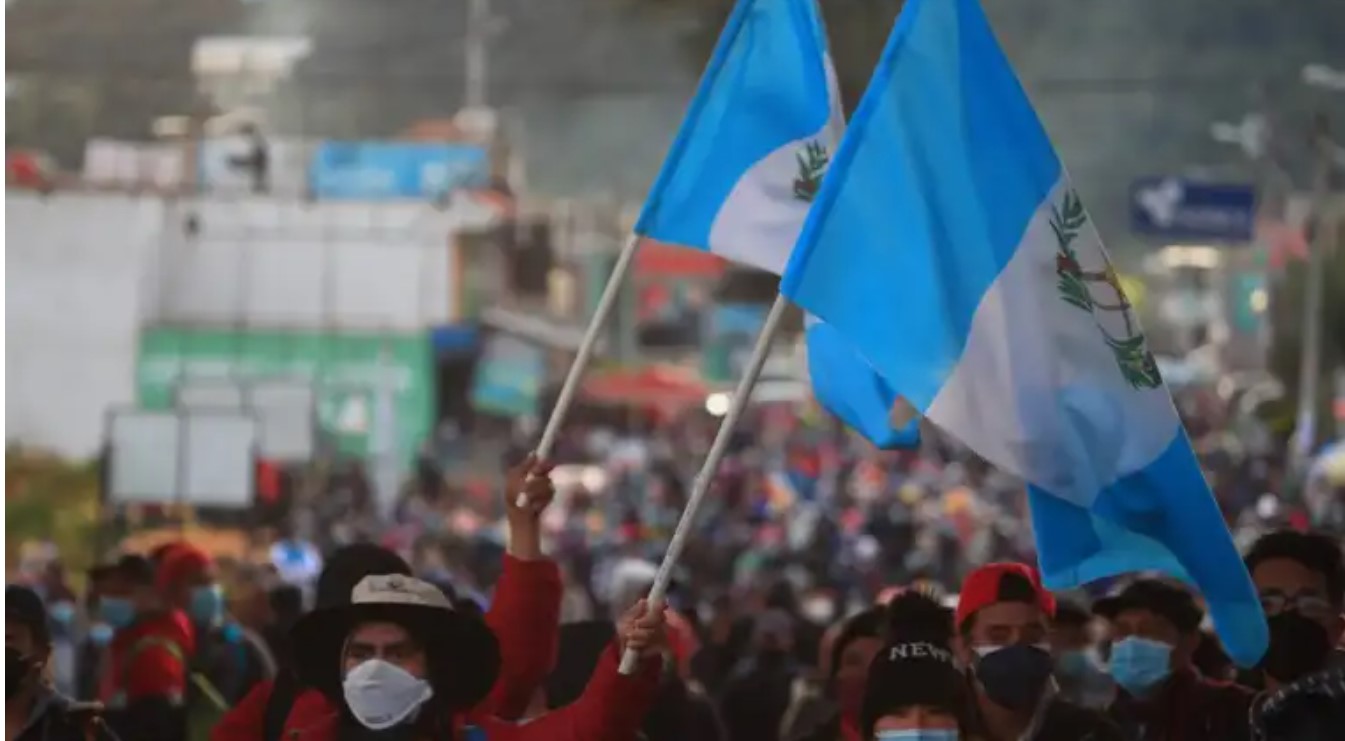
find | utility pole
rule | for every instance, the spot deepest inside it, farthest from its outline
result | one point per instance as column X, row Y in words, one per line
column 479, row 28
column 1310, row 371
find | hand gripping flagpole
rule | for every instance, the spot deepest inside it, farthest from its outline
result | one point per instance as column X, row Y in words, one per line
column 570, row 388
column 712, row 460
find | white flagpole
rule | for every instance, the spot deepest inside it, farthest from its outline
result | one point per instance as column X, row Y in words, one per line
column 570, row 388
column 712, row 460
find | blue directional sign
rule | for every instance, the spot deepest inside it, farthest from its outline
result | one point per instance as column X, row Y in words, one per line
column 375, row 170
column 1186, row 210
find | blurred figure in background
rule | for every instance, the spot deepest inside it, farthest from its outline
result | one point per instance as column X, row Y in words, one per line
column 1078, row 672
column 34, row 711
column 1301, row 580
column 61, row 605
column 144, row 680
column 229, row 659
column 835, row 713
column 93, row 648
column 756, row 696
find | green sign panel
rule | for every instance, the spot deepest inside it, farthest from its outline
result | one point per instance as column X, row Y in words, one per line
column 347, row 370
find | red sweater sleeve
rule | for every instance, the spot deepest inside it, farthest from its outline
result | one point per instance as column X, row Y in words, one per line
column 611, row 708
column 525, row 616
column 244, row 721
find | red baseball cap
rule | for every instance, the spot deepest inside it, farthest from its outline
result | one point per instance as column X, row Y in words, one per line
column 982, row 588
column 180, row 563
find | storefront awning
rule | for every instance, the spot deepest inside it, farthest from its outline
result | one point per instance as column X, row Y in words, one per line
column 662, row 388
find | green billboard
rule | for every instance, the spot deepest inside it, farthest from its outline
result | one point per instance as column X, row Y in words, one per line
column 347, row 369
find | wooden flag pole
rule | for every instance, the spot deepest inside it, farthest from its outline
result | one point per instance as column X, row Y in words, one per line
column 584, row 355
column 705, row 478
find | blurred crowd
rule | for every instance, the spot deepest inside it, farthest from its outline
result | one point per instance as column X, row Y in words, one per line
column 830, row 592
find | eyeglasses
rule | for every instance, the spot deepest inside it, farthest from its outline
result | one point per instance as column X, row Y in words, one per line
column 1308, row 605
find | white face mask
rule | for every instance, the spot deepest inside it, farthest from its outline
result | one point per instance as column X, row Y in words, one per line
column 381, row 695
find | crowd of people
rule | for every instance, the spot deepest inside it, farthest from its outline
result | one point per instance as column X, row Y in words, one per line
column 830, row 593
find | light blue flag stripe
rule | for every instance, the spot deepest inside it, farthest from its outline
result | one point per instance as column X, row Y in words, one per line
column 766, row 86
column 957, row 83
column 929, row 250
column 847, row 386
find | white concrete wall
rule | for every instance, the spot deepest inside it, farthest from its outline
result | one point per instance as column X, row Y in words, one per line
column 297, row 265
column 84, row 272
column 74, row 269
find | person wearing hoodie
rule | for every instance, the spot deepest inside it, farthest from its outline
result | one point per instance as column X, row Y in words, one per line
column 144, row 679
column 524, row 615
column 230, row 657
column 1301, row 580
column 399, row 663
column 34, row 711
column 229, row 660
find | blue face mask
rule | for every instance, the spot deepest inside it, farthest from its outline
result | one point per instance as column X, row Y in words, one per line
column 117, row 612
column 918, row 734
column 101, row 634
column 207, row 605
column 63, row 613
column 1139, row 664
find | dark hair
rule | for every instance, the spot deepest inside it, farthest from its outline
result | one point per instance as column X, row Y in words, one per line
column 138, row 570
column 1070, row 615
column 1011, row 588
column 872, row 623
column 1315, row 552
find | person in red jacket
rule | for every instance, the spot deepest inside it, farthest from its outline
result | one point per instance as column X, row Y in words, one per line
column 144, row 679
column 524, row 615
column 399, row 662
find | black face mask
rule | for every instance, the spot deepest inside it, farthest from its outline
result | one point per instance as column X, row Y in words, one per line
column 1014, row 677
column 17, row 669
column 1298, row 647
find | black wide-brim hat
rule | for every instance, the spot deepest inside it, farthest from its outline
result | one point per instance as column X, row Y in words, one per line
column 462, row 653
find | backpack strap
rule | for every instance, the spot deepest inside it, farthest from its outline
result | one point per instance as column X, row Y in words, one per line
column 208, row 690
column 278, row 704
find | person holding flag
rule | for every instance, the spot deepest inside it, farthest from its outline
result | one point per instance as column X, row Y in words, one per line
column 948, row 246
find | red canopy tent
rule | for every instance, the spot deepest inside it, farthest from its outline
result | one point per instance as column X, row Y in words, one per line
column 659, row 388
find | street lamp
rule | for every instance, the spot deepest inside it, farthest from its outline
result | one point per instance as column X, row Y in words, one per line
column 1254, row 135
column 1305, row 428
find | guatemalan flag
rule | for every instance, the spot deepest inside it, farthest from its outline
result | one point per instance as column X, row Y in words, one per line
column 746, row 165
column 948, row 245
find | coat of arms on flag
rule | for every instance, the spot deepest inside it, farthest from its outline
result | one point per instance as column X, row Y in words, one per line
column 1137, row 364
column 813, row 161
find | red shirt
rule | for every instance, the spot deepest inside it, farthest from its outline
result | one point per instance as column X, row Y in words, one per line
column 148, row 659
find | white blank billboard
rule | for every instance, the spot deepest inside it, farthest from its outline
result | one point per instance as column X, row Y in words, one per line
column 187, row 457
column 143, row 457
column 286, row 411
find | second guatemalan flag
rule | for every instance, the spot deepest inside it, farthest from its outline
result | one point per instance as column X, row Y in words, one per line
column 949, row 247
column 746, row 166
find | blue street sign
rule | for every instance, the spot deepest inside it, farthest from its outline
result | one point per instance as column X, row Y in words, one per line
column 372, row 170
column 1184, row 210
